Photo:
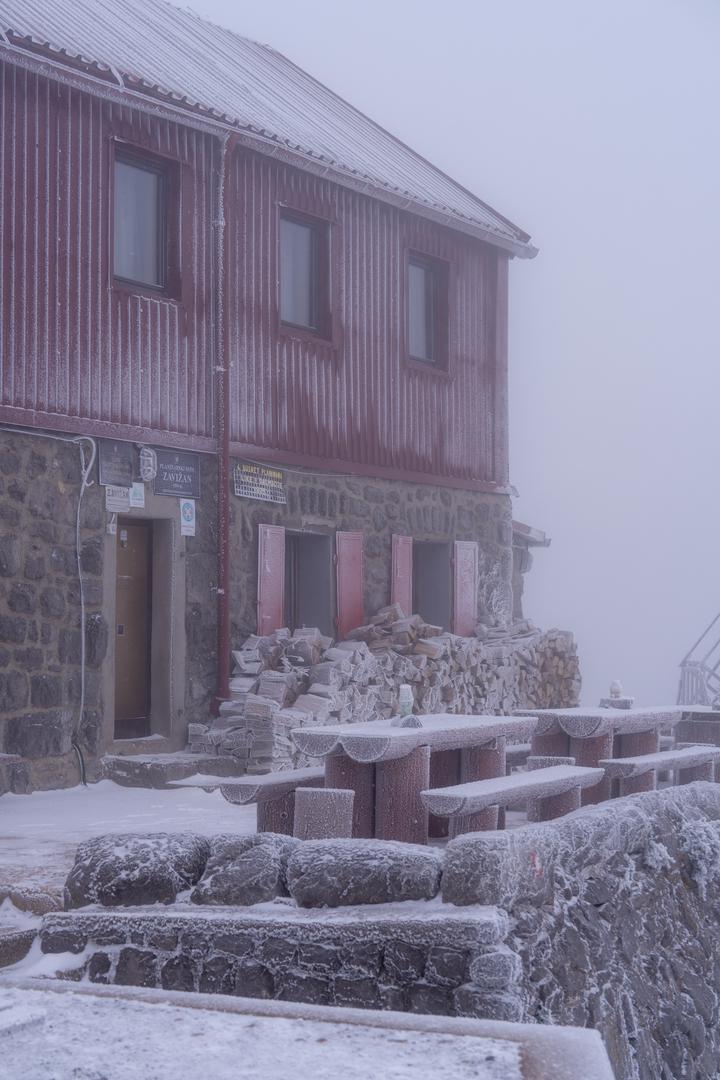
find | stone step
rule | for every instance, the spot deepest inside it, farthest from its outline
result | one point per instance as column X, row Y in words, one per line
column 157, row 770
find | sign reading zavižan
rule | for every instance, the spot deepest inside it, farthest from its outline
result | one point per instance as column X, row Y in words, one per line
column 259, row 482
column 178, row 473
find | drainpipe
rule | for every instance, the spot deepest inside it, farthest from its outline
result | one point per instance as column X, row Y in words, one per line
column 222, row 407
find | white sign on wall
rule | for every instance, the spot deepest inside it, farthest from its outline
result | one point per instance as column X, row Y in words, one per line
column 187, row 517
column 137, row 495
column 117, row 499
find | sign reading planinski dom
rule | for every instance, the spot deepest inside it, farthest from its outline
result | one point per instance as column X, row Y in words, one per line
column 178, row 473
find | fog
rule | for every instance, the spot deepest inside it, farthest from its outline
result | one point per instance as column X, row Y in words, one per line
column 594, row 127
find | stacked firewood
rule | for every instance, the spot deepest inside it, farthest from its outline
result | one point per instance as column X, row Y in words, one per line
column 285, row 681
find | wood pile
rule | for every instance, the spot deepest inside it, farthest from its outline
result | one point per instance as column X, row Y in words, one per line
column 284, row 681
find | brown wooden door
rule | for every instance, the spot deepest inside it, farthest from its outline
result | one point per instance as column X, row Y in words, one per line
column 133, row 614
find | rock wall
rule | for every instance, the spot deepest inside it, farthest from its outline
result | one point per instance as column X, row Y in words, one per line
column 451, row 963
column 40, row 609
column 378, row 508
column 615, row 917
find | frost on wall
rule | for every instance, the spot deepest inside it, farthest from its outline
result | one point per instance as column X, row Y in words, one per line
column 616, row 921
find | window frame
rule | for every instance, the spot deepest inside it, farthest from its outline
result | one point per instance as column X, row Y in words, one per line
column 168, row 227
column 323, row 291
column 440, row 271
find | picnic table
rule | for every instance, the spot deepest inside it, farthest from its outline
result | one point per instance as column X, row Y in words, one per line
column 591, row 735
column 389, row 763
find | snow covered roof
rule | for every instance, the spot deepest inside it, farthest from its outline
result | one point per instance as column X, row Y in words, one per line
column 153, row 48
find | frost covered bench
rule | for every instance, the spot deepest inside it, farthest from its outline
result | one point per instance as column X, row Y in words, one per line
column 593, row 734
column 274, row 793
column 639, row 773
column 548, row 793
column 389, row 763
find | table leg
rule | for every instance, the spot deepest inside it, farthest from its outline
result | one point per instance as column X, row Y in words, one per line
column 706, row 771
column 553, row 806
column 588, row 752
column 553, row 744
column 323, row 813
column 342, row 772
column 399, row 812
column 481, row 763
column 277, row 815
column 444, row 772
column 635, row 744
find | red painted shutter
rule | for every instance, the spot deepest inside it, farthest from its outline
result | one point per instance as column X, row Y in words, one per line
column 350, row 610
column 271, row 578
column 465, row 580
column 402, row 562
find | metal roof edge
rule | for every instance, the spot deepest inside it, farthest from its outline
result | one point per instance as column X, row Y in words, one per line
column 73, row 74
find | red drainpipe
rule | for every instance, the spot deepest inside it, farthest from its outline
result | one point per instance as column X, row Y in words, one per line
column 222, row 395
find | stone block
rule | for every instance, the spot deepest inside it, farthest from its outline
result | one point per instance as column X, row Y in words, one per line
column 239, row 944
column 430, row 999
column 323, row 958
column 244, row 869
column 39, row 735
column 362, row 957
column 178, row 973
column 91, row 556
column 22, row 599
column 62, row 941
column 13, row 691
column 358, row 993
column 14, row 945
column 446, row 967
column 277, row 952
column 312, row 989
column 136, row 967
column 161, row 939
column 334, row 873
column 252, row 979
column 403, row 963
column 13, row 629
column 496, row 969
column 9, row 556
column 117, row 870
column 46, row 691
column 52, row 603
column 99, row 967
column 217, row 976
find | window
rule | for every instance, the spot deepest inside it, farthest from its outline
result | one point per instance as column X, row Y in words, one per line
column 140, row 222
column 304, row 300
column 426, row 309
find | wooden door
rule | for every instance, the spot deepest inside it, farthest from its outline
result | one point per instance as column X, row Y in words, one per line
column 401, row 587
column 271, row 578
column 133, row 628
column 465, row 587
column 349, row 555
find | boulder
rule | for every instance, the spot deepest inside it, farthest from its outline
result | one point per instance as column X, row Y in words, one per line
column 245, row 869
column 116, row 870
column 337, row 873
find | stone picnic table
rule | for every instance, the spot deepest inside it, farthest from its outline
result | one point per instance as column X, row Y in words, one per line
column 388, row 763
column 590, row 735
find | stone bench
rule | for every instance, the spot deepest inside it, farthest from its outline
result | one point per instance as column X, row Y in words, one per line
column 516, row 755
column 274, row 794
column 548, row 793
column 639, row 773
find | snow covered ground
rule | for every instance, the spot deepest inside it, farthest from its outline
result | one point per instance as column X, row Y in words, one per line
column 48, row 1036
column 39, row 832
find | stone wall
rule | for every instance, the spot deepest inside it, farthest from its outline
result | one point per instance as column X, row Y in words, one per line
column 40, row 608
column 378, row 508
column 616, row 920
column 452, row 963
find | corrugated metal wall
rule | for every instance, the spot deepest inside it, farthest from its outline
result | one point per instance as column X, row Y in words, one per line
column 77, row 353
column 70, row 345
column 356, row 398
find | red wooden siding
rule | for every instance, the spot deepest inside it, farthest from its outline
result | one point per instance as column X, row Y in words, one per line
column 355, row 398
column 465, row 586
column 350, row 610
column 271, row 578
column 77, row 352
column 402, row 581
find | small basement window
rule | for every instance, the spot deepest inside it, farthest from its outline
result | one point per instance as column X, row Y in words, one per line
column 432, row 582
column 304, row 285
column 426, row 315
column 309, row 582
column 140, row 221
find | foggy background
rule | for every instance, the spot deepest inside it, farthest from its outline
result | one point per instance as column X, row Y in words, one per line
column 595, row 128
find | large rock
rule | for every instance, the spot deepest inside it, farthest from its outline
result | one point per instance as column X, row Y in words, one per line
column 116, row 870
column 245, row 869
column 336, row 873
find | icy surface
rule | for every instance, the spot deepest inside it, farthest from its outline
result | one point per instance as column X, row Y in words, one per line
column 39, row 833
column 91, row 1037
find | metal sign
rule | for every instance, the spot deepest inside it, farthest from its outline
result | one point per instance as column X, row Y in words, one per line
column 116, row 462
column 187, row 517
column 259, row 482
column 178, row 474
column 117, row 499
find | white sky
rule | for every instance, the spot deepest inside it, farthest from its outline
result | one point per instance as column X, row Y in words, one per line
column 595, row 128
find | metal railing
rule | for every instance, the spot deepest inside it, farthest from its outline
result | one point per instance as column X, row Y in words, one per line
column 700, row 669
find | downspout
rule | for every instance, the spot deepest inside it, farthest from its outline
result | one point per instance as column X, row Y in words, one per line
column 222, row 406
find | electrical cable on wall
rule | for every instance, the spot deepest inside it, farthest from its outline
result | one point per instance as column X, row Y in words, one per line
column 86, row 467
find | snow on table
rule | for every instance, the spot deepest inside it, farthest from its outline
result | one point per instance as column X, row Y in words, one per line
column 88, row 1036
column 40, row 832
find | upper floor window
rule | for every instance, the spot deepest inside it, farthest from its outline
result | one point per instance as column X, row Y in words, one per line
column 426, row 310
column 304, row 285
column 140, row 221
